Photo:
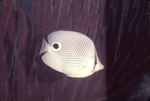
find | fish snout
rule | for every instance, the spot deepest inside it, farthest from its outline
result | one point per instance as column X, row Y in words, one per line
column 45, row 47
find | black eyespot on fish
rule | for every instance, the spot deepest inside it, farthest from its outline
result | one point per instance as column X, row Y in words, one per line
column 95, row 63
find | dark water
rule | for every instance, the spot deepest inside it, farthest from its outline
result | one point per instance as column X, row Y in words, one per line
column 119, row 29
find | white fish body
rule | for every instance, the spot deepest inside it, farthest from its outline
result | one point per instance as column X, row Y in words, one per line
column 71, row 53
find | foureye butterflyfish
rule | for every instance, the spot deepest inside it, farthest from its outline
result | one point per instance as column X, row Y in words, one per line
column 71, row 53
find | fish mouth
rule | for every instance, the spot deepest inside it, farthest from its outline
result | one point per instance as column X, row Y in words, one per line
column 43, row 53
column 45, row 47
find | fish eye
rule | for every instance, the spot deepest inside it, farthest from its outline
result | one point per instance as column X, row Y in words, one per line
column 56, row 46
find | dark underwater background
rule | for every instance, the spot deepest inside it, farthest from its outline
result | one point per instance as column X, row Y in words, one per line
column 119, row 29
